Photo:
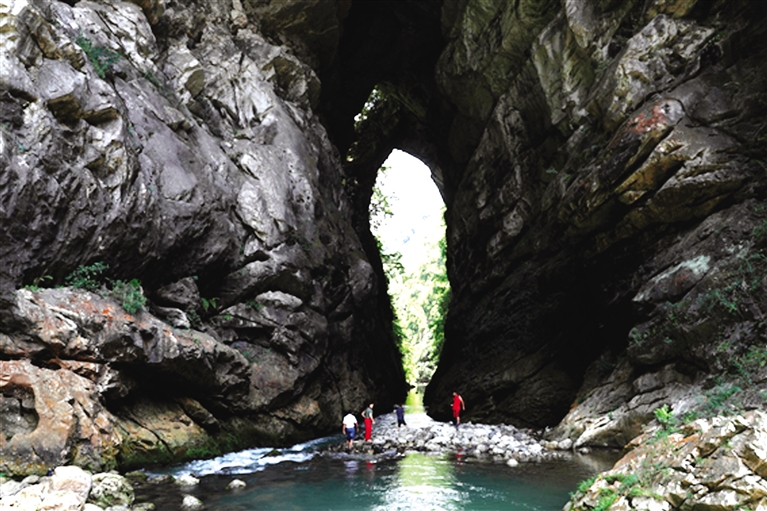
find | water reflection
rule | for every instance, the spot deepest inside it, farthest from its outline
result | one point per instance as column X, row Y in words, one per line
column 416, row 481
column 422, row 482
column 301, row 478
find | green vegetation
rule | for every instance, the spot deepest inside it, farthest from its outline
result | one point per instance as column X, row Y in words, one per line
column 193, row 317
column 419, row 297
column 209, row 303
column 91, row 278
column 653, row 469
column 101, row 58
column 87, row 277
column 254, row 305
column 666, row 417
column 129, row 294
column 719, row 399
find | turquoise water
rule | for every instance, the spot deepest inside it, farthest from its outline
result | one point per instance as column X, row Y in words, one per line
column 308, row 478
column 415, row 481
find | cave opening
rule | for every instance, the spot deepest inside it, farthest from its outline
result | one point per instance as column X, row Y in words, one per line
column 407, row 219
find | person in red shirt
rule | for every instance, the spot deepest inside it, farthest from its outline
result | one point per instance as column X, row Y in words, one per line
column 458, row 405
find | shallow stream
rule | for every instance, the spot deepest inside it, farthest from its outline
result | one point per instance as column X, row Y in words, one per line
column 306, row 477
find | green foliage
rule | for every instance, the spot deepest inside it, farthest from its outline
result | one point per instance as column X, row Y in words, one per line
column 87, row 277
column 665, row 417
column 380, row 211
column 380, row 208
column 760, row 231
column 441, row 297
column 606, row 500
column 689, row 417
column 584, row 486
column 90, row 278
column 254, row 305
column 129, row 294
column 637, row 484
column 719, row 399
column 209, row 303
column 101, row 58
column 376, row 98
column 419, row 299
column 753, row 360
column 379, row 115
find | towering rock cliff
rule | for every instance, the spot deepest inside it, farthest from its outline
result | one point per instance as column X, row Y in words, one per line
column 171, row 149
column 602, row 164
column 605, row 181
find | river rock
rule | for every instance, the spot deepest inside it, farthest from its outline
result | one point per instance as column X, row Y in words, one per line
column 191, row 502
column 68, row 488
column 481, row 441
column 111, row 490
column 236, row 484
column 186, row 480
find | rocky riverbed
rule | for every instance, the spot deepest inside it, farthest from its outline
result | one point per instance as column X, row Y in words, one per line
column 482, row 441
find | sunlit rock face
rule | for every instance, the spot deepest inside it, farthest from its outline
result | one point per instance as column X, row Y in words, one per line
column 604, row 171
column 179, row 146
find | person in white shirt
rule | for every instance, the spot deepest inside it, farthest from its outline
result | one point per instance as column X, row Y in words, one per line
column 349, row 429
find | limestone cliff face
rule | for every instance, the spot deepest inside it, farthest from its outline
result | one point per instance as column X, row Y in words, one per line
column 178, row 146
column 602, row 165
column 605, row 181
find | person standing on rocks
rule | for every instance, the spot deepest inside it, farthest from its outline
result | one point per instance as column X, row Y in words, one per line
column 368, row 416
column 349, row 428
column 400, row 415
column 458, row 405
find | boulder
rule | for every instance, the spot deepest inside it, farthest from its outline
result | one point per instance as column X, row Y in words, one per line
column 111, row 490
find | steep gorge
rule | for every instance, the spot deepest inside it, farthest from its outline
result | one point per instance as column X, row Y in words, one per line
column 602, row 164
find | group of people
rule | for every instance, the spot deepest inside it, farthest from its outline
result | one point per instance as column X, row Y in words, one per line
column 349, row 423
column 349, row 427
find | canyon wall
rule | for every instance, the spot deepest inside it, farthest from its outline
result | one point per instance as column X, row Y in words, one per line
column 606, row 215
column 170, row 150
column 602, row 165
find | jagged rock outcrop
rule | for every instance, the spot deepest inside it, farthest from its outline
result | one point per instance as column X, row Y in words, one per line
column 173, row 144
column 707, row 464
